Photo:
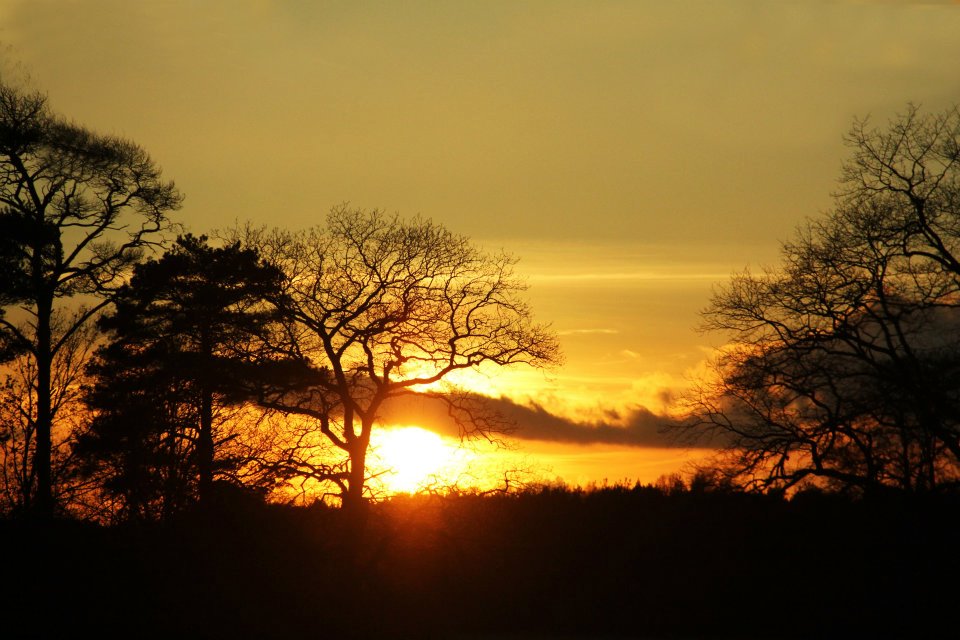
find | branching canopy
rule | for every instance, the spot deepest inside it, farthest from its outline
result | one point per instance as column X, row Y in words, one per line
column 386, row 306
column 844, row 365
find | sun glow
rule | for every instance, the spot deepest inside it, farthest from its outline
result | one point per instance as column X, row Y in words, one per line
column 413, row 458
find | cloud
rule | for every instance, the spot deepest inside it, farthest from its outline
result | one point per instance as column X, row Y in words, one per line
column 566, row 278
column 580, row 332
column 638, row 427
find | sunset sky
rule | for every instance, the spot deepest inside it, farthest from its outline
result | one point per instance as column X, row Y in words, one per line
column 632, row 154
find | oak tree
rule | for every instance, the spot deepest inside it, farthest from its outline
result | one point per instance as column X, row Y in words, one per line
column 382, row 306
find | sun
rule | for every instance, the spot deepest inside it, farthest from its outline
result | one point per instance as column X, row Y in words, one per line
column 412, row 457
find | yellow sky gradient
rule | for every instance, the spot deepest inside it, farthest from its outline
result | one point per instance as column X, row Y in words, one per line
column 631, row 153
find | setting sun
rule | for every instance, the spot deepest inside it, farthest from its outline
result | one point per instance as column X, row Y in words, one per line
column 413, row 457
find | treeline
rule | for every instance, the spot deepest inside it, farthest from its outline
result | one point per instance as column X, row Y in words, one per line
column 624, row 562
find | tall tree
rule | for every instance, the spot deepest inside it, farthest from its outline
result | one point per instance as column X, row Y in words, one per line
column 185, row 335
column 844, row 364
column 18, row 421
column 77, row 210
column 383, row 307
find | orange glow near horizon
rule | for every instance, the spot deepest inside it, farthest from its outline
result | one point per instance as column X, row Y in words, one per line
column 411, row 459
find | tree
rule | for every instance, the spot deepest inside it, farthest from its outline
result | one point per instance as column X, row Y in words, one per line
column 184, row 342
column 381, row 307
column 78, row 209
column 844, row 365
column 18, row 428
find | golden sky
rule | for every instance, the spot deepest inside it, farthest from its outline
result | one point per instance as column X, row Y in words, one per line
column 631, row 153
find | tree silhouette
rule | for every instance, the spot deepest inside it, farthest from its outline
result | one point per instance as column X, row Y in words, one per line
column 385, row 307
column 184, row 336
column 77, row 210
column 18, row 428
column 844, row 364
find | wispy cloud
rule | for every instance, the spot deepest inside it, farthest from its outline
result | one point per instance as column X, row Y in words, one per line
column 579, row 332
column 637, row 427
column 637, row 276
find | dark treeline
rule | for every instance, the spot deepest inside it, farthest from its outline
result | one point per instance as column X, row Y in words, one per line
column 613, row 562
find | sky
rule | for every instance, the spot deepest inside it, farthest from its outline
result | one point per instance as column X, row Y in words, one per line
column 631, row 154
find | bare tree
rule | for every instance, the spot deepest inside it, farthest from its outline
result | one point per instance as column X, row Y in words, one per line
column 76, row 211
column 18, row 420
column 383, row 307
column 905, row 181
column 844, row 365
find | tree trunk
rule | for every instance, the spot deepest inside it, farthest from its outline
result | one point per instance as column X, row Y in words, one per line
column 205, row 439
column 205, row 446
column 353, row 500
column 354, row 510
column 43, row 506
column 355, row 505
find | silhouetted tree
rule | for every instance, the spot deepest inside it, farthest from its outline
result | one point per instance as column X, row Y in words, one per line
column 185, row 336
column 386, row 307
column 844, row 366
column 18, row 427
column 76, row 211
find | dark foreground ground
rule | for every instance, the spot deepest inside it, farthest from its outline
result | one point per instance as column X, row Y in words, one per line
column 615, row 563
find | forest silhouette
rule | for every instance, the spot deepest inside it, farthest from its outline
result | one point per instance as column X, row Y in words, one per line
column 620, row 562
column 186, row 420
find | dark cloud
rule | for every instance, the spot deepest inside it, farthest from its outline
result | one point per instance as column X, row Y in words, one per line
column 640, row 427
